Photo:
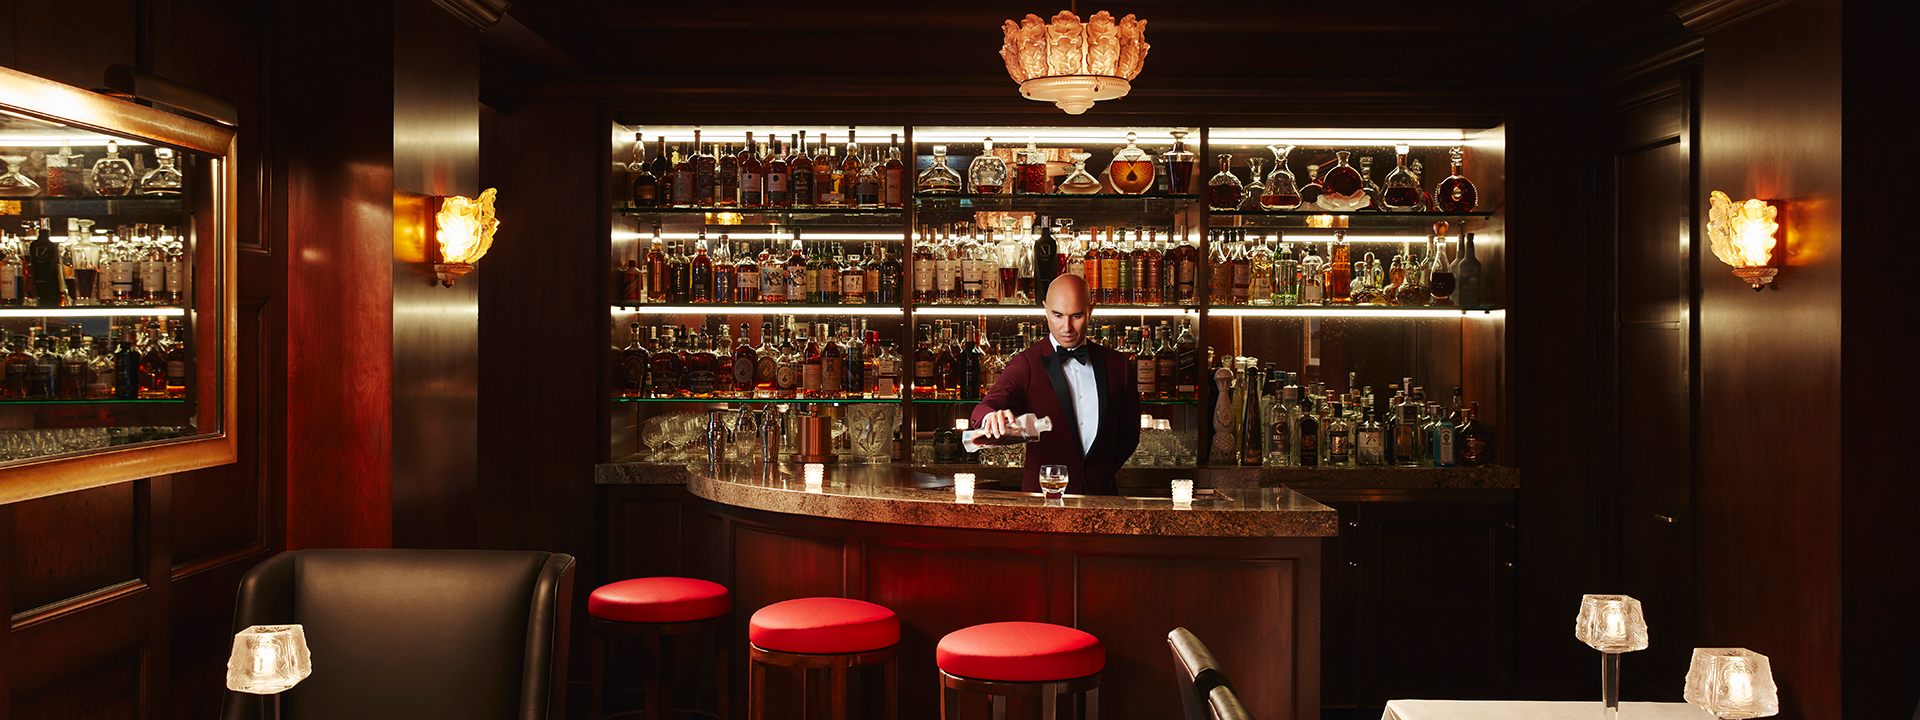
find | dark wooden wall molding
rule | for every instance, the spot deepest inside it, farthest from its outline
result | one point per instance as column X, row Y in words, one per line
column 1704, row 16
column 479, row 14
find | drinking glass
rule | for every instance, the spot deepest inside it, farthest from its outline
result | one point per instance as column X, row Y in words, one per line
column 1053, row 481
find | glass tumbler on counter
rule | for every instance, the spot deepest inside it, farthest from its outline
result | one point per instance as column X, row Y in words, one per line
column 1053, row 481
column 871, row 429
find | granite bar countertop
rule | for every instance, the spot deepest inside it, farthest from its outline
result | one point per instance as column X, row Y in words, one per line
column 925, row 496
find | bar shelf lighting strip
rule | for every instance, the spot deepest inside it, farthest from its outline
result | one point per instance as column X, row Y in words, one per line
column 87, row 312
column 768, row 309
column 781, row 236
column 1016, row 137
column 1004, row 311
column 1436, row 313
column 836, row 135
column 1314, row 137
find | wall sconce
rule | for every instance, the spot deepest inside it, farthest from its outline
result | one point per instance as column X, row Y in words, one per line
column 1742, row 235
column 462, row 232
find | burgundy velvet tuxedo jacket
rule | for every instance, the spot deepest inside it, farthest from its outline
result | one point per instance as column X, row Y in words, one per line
column 1035, row 382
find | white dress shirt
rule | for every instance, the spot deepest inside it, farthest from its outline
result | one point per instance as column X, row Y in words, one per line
column 1086, row 397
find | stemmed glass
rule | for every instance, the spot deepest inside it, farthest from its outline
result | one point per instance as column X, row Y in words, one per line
column 1053, row 482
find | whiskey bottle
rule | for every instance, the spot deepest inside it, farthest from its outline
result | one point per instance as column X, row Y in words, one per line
column 753, row 175
column 1187, row 383
column 886, row 371
column 643, row 185
column 685, row 183
column 99, row 371
column 800, row 173
column 946, row 366
column 924, row 267
column 1456, row 194
column 1046, row 260
column 153, row 364
column 1242, row 283
column 1121, row 258
column 1186, row 269
column 939, row 179
column 853, row 281
column 1260, row 276
column 850, row 167
column 925, row 381
column 866, row 182
column 888, row 287
column 893, row 176
column 766, row 370
column 833, row 361
column 987, row 174
column 813, row 367
column 796, row 271
column 972, row 361
column 829, row 180
column 779, row 176
column 1152, row 268
column 1474, row 440
column 1219, row 270
column 661, row 167
column 126, row 367
column 701, row 288
column 746, row 276
column 704, row 167
column 72, row 359
column 633, row 362
column 773, row 274
column 826, row 276
column 792, row 373
column 702, row 368
column 727, row 180
column 856, row 367
column 1313, row 279
column 946, row 270
column 1224, row 191
column 1340, row 274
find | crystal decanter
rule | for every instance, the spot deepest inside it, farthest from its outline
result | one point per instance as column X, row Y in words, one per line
column 1311, row 192
column 1224, row 191
column 1080, row 182
column 14, row 183
column 1346, row 190
column 1403, row 189
column 113, row 175
column 1132, row 169
column 165, row 180
column 987, row 173
column 1255, row 189
column 1373, row 191
column 1456, row 193
column 1281, row 193
column 1179, row 165
column 939, row 179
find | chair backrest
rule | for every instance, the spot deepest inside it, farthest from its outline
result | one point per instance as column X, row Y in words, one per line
column 1226, row 706
column 417, row 633
column 1195, row 672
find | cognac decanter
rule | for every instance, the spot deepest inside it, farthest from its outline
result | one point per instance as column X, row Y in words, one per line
column 163, row 180
column 15, row 183
column 987, row 173
column 113, row 175
column 1456, row 193
column 1224, row 191
column 1080, row 182
column 1132, row 169
column 1403, row 189
column 939, row 179
column 1179, row 166
column 1281, row 194
column 1254, row 189
column 1346, row 190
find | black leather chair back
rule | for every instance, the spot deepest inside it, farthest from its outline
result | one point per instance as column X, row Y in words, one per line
column 410, row 634
column 1195, row 672
column 1226, row 706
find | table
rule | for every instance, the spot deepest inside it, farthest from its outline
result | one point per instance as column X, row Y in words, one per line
column 1535, row 710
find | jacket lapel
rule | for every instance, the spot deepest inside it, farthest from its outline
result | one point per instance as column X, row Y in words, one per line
column 1100, row 375
column 1055, row 363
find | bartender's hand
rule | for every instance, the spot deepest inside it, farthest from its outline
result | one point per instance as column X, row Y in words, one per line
column 996, row 424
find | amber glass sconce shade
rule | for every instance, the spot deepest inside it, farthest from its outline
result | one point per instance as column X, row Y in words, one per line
column 1074, row 63
column 1742, row 235
column 463, row 230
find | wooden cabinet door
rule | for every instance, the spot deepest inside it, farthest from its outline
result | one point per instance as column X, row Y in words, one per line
column 1435, row 600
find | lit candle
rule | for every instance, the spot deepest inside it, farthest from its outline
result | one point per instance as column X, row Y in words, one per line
column 1183, row 492
column 963, row 487
column 1616, row 621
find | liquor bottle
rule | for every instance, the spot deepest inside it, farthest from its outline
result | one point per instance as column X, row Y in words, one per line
column 1131, row 170
column 773, row 274
column 153, row 364
column 1126, row 292
column 796, row 271
column 700, row 289
column 766, row 362
column 126, row 367
column 1219, row 270
column 661, row 167
column 1340, row 273
column 1339, row 432
column 1403, row 189
column 1346, row 190
column 867, row 182
column 790, row 378
column 1281, row 417
column 1032, row 166
column 1166, row 364
column 727, row 178
column 1253, row 433
column 113, row 175
column 1466, row 274
column 1311, row 192
column 779, row 176
column 823, row 271
column 702, row 367
column 1109, row 270
column 1374, row 200
column 1187, row 382
column 925, row 379
column 1473, row 440
column 987, row 174
column 153, row 268
column 1306, row 437
column 1145, row 368
column 1406, row 434
column 1152, row 266
column 800, row 173
column 973, row 269
column 1241, row 285
column 924, row 267
column 746, row 276
column 853, row 281
column 893, row 176
column 971, row 359
column 753, row 175
column 633, row 364
column 72, row 367
column 886, row 372
column 1179, row 166
column 1280, row 191
column 1456, row 194
column 833, row 361
column 44, row 269
column 1286, row 275
column 705, row 166
column 946, row 366
column 1313, row 279
column 829, row 181
column 1441, row 441
column 850, row 167
column 725, row 282
column 1370, row 445
column 1046, row 260
column 643, row 185
column 1186, row 265
column 1078, row 180
column 99, row 371
column 632, row 282
column 813, row 367
column 1260, row 277
column 855, row 366
column 685, row 179
column 939, row 179
column 1440, row 281
column 1255, row 188
column 165, row 180
column 1224, row 191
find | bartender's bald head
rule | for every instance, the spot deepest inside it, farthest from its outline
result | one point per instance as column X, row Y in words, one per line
column 1068, row 307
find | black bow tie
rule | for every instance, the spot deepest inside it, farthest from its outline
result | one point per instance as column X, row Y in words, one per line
column 1083, row 353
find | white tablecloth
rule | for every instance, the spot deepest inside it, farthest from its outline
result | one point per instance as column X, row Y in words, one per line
column 1532, row 710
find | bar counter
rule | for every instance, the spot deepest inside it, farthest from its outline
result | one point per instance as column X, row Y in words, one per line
column 922, row 496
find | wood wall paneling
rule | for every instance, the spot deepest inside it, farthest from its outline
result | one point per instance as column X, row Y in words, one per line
column 1771, row 422
column 73, row 544
column 107, row 690
column 1421, row 561
column 919, row 583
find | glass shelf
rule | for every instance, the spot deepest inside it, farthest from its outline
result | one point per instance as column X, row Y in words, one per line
column 143, row 401
column 96, row 311
column 760, row 309
column 1155, row 204
column 919, row 401
column 1380, row 311
column 1323, row 220
column 813, row 401
column 724, row 217
column 33, row 207
column 937, row 310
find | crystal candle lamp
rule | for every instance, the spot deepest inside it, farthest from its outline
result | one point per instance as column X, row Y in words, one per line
column 268, row 660
column 1732, row 683
column 963, row 487
column 1611, row 624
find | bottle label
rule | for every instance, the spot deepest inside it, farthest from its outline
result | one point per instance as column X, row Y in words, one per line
column 773, row 282
column 749, row 278
column 786, row 377
column 1443, row 446
column 750, row 188
column 810, row 379
column 701, row 382
column 923, row 277
column 796, row 283
column 1337, row 447
column 943, row 272
column 853, row 284
column 743, row 372
column 896, row 187
column 777, row 185
column 989, row 283
column 1145, row 372
column 665, row 384
column 923, row 373
column 176, row 370
column 1372, row 447
column 636, row 372
column 1185, row 279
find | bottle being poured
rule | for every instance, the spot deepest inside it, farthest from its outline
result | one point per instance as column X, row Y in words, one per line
column 1024, row 429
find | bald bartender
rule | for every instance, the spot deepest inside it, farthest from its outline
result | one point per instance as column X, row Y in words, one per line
column 1084, row 387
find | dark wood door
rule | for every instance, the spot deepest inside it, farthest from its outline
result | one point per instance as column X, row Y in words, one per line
column 1650, row 182
column 1436, row 600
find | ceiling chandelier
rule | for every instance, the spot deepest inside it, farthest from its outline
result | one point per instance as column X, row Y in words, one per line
column 1074, row 64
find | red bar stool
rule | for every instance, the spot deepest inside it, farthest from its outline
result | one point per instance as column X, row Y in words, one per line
column 653, row 608
column 827, row 633
column 1020, row 658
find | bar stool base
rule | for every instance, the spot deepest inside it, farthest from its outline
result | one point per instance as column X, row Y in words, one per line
column 1086, row 705
column 659, row 685
column 758, row 658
